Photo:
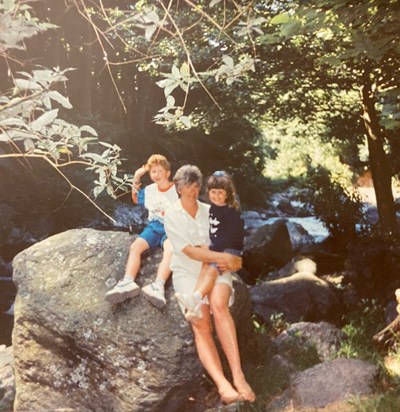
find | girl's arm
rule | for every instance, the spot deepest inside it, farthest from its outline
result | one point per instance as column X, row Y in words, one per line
column 225, row 261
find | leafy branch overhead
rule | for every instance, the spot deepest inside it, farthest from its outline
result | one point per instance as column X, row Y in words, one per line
column 158, row 36
column 29, row 116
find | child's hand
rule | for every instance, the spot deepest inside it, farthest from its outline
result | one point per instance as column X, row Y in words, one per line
column 140, row 172
column 136, row 178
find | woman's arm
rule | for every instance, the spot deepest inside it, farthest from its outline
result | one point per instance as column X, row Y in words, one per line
column 225, row 261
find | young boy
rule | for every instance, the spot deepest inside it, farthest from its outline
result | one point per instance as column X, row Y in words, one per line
column 156, row 198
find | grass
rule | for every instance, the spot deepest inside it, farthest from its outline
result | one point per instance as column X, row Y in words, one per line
column 361, row 326
column 271, row 378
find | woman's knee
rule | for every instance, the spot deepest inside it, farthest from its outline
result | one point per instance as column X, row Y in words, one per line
column 220, row 308
column 219, row 302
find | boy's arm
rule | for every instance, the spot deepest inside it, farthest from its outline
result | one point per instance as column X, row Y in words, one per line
column 136, row 182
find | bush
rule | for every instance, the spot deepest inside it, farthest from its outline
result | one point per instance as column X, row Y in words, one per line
column 339, row 208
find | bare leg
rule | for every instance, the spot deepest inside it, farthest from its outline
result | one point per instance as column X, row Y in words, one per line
column 163, row 270
column 226, row 331
column 206, row 279
column 134, row 259
column 209, row 356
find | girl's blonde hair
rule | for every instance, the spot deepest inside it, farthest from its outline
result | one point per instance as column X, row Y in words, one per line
column 222, row 180
column 158, row 160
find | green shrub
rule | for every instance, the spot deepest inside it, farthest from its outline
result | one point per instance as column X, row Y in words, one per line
column 339, row 208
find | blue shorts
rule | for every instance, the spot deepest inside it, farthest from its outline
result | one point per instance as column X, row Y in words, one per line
column 154, row 234
column 232, row 252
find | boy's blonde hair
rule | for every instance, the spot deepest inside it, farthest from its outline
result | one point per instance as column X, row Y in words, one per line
column 158, row 160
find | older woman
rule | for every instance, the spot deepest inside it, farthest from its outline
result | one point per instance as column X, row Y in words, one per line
column 187, row 224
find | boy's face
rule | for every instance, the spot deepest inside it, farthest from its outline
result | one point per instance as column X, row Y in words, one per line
column 158, row 174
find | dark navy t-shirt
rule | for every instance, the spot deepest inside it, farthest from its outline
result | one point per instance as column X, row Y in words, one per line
column 226, row 228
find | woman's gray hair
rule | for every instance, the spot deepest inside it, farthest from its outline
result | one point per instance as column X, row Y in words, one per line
column 187, row 175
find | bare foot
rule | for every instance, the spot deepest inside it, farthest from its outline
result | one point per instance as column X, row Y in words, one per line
column 245, row 391
column 229, row 395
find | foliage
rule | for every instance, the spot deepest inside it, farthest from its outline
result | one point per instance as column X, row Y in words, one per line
column 29, row 115
column 386, row 401
column 297, row 148
column 361, row 325
column 339, row 208
column 368, row 258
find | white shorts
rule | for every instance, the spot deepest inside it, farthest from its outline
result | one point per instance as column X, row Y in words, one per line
column 185, row 283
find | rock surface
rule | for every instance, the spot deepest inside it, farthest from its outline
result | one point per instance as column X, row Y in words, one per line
column 268, row 247
column 301, row 296
column 7, row 381
column 74, row 350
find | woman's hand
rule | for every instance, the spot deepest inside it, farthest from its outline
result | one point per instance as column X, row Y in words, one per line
column 231, row 262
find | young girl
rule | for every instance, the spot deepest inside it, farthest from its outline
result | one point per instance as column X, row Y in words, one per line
column 226, row 235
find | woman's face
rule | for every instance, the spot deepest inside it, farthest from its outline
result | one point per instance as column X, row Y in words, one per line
column 190, row 191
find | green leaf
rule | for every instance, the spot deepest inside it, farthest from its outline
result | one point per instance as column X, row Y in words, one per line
column 59, row 98
column 29, row 145
column 175, row 72
column 89, row 130
column 280, row 19
column 214, row 2
column 27, row 84
column 169, row 89
column 45, row 119
column 228, row 60
column 95, row 157
column 13, row 121
column 290, row 28
column 185, row 70
column 186, row 121
column 149, row 31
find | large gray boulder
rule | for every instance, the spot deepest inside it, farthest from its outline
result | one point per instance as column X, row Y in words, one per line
column 327, row 386
column 299, row 297
column 332, row 381
column 267, row 248
column 74, row 350
column 7, row 382
column 323, row 336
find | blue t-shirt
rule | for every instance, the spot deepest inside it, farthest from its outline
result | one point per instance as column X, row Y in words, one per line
column 226, row 228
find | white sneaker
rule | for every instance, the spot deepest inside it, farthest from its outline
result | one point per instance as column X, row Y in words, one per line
column 155, row 294
column 124, row 289
column 192, row 305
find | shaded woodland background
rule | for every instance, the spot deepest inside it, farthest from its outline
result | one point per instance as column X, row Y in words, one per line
column 278, row 93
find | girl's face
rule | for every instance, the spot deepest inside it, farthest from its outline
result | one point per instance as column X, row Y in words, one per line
column 158, row 174
column 217, row 196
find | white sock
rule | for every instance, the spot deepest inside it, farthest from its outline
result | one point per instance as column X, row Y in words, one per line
column 160, row 283
column 128, row 277
column 197, row 295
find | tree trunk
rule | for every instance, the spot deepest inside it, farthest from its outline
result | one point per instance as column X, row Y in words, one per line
column 380, row 170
